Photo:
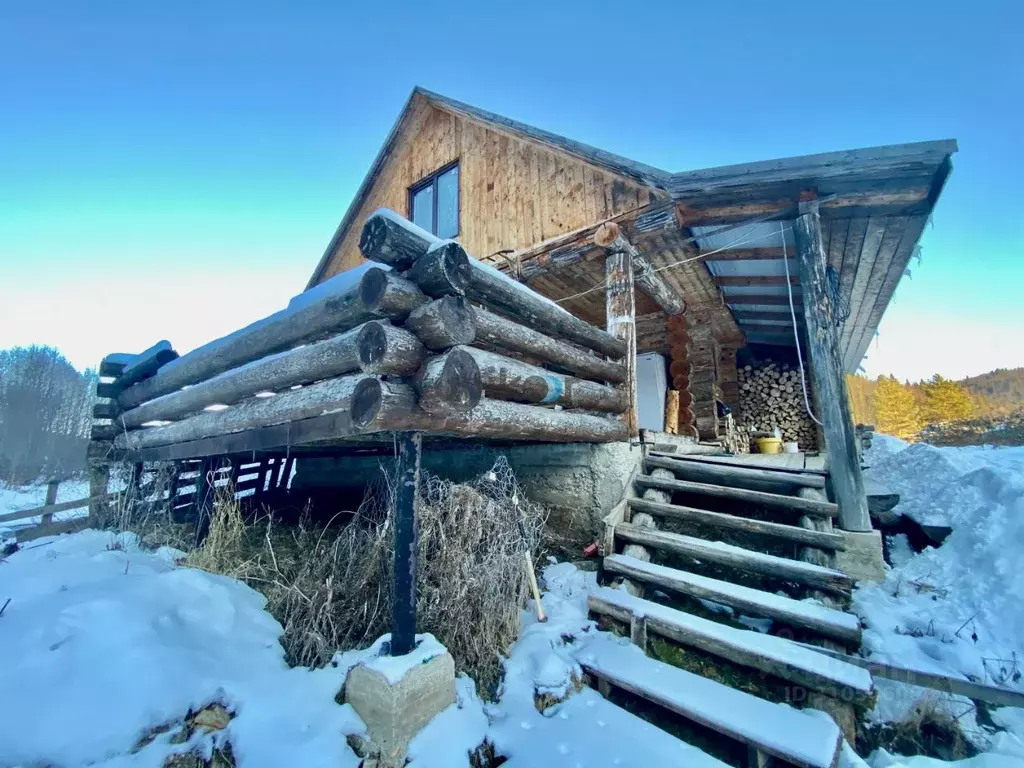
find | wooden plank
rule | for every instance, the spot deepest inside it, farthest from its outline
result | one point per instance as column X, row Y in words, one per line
column 52, row 529
column 51, row 499
column 754, row 280
column 1000, row 697
column 827, row 373
column 714, row 706
column 735, row 462
column 752, row 602
column 50, row 509
column 772, row 253
column 738, row 557
column 873, row 234
column 733, row 522
column 744, row 477
column 772, row 655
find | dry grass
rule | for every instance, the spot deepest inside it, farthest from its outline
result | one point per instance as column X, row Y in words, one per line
column 330, row 587
column 929, row 730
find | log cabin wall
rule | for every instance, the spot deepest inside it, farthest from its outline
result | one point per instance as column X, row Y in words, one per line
column 513, row 193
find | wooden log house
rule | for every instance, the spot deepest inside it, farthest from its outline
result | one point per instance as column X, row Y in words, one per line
column 491, row 281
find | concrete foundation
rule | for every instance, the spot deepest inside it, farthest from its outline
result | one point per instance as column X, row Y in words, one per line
column 862, row 559
column 579, row 482
column 395, row 711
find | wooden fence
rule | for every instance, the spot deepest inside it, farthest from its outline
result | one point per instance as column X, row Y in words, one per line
column 46, row 526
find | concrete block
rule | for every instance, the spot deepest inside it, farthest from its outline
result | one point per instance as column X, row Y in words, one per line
column 862, row 559
column 395, row 710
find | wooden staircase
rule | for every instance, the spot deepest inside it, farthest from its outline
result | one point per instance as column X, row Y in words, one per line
column 708, row 542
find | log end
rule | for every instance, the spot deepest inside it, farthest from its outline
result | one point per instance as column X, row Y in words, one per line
column 458, row 319
column 606, row 234
column 371, row 346
column 372, row 286
column 366, row 402
column 454, row 263
column 386, row 240
column 459, row 386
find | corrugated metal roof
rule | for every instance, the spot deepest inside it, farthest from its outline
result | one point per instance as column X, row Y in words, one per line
column 764, row 234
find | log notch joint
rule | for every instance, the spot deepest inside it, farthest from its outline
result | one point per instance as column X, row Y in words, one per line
column 826, row 370
column 610, row 237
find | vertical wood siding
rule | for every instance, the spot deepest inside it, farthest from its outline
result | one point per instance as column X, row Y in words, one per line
column 512, row 193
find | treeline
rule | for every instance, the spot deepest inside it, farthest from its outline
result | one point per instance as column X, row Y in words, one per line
column 45, row 414
column 904, row 409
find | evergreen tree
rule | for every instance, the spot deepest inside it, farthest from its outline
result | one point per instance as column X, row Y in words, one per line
column 945, row 400
column 897, row 413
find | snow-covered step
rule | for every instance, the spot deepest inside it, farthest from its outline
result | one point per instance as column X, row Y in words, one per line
column 763, row 498
column 766, row 653
column 742, row 559
column 749, row 463
column 589, row 730
column 737, row 477
column 772, row 729
column 810, row 537
column 825, row 621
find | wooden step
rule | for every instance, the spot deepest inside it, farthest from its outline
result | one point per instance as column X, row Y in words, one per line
column 772, row 729
column 605, row 735
column 844, row 627
column 739, row 477
column 777, row 500
column 772, row 655
column 810, row 537
column 732, row 461
column 737, row 557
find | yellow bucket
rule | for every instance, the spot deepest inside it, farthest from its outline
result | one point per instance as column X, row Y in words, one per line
column 768, row 445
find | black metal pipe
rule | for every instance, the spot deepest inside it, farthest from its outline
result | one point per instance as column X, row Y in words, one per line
column 403, row 617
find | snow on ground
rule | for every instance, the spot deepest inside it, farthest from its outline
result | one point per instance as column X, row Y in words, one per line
column 957, row 609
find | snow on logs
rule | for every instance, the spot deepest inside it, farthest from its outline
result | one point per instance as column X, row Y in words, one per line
column 387, row 348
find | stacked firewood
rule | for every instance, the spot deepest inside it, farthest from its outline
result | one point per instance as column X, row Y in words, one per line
column 416, row 343
column 771, row 396
column 679, row 368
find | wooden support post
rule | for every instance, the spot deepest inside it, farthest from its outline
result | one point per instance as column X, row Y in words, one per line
column 620, row 311
column 403, row 618
column 51, row 498
column 203, row 500
column 609, row 236
column 827, row 372
column 638, row 631
column 99, row 480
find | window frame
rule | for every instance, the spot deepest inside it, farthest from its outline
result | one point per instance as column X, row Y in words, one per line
column 431, row 181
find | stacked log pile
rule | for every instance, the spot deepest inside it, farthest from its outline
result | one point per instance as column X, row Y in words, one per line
column 679, row 368
column 416, row 343
column 771, row 396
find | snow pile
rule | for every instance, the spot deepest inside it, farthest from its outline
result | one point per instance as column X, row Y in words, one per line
column 955, row 610
column 103, row 642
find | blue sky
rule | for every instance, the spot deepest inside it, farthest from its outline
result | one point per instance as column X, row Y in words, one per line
column 176, row 169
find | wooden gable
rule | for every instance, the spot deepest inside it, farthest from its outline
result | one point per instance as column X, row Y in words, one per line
column 513, row 192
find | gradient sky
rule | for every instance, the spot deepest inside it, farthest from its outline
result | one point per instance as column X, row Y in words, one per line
column 175, row 170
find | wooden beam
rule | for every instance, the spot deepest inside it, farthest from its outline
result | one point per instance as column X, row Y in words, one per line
column 783, row 314
column 773, row 299
column 497, row 291
column 620, row 313
column 742, row 477
column 508, row 379
column 293, row 405
column 751, row 280
column 51, row 509
column 610, row 237
column 827, row 371
column 748, row 254
column 508, row 334
column 759, row 498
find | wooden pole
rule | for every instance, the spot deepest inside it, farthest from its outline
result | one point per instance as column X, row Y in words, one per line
column 609, row 236
column 443, row 270
column 449, row 382
column 391, row 406
column 507, row 379
column 51, row 499
column 443, row 323
column 379, row 295
column 403, row 617
column 827, row 371
column 274, row 373
column 385, row 349
column 507, row 334
column 620, row 311
column 491, row 288
column 292, row 405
